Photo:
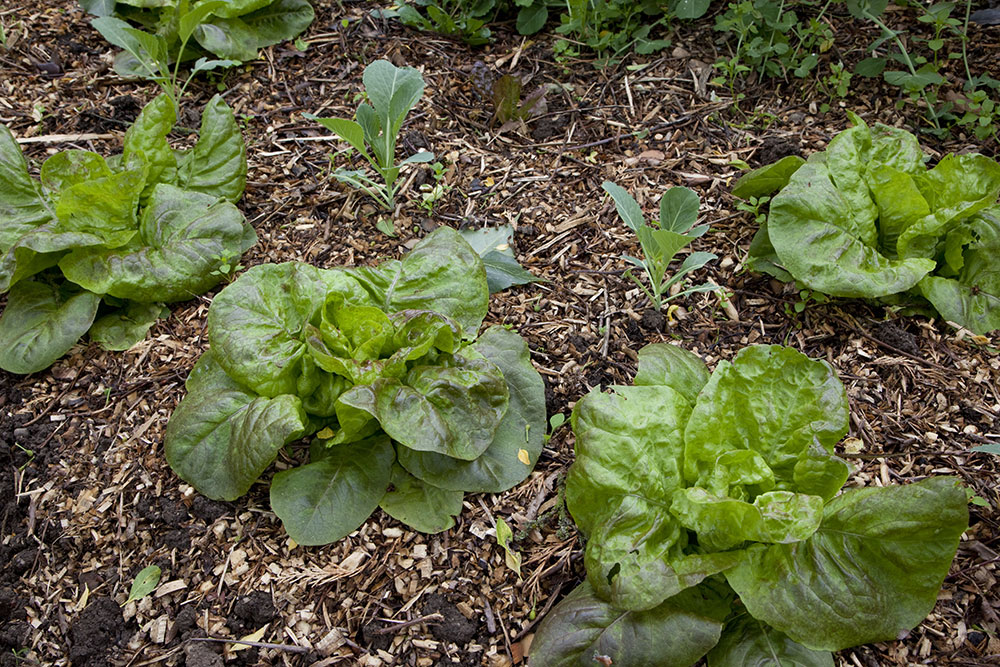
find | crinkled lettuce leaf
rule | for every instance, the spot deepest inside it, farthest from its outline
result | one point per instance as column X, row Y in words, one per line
column 182, row 240
column 774, row 401
column 872, row 569
column 972, row 296
column 442, row 273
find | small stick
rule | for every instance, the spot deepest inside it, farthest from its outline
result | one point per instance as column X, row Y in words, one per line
column 280, row 647
column 401, row 625
column 64, row 138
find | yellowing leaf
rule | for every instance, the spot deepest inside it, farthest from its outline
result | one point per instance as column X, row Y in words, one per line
column 504, row 536
column 522, row 456
column 252, row 637
column 325, row 434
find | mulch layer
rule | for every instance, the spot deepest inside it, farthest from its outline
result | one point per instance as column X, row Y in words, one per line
column 86, row 497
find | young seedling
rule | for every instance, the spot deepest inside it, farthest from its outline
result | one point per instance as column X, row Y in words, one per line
column 392, row 91
column 660, row 243
column 152, row 53
column 144, row 584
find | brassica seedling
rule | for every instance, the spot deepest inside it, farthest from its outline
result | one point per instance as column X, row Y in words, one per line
column 392, row 92
column 662, row 241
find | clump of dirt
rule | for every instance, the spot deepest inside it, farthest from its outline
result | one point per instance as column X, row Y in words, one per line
column 99, row 627
column 14, row 629
column 774, row 148
column 250, row 613
column 208, row 510
column 454, row 627
column 891, row 333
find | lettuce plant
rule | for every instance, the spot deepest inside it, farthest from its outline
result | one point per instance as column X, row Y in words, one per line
column 393, row 92
column 231, row 30
column 149, row 226
column 406, row 407
column 866, row 218
column 696, row 489
column 676, row 228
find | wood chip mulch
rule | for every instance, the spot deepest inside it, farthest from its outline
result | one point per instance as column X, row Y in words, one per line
column 88, row 500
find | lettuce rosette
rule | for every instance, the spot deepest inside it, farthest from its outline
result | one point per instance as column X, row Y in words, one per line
column 98, row 245
column 866, row 218
column 407, row 409
column 696, row 489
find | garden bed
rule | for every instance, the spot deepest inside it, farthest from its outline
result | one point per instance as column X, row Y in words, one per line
column 88, row 499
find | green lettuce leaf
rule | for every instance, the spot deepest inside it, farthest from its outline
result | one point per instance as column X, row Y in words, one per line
column 972, row 297
column 747, row 642
column 825, row 243
column 256, row 323
column 768, row 179
column 41, row 323
column 217, row 165
column 421, row 506
column 147, row 139
column 518, row 440
column 442, row 273
column 872, row 569
column 774, row 401
column 582, row 626
column 183, row 239
column 221, row 436
column 672, row 366
column 22, row 207
column 328, row 499
column 129, row 325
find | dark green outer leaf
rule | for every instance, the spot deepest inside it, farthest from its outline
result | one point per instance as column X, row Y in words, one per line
column 675, row 634
column 872, row 570
column 821, row 243
column 768, row 179
column 674, row 367
column 122, row 329
column 419, row 505
column 501, row 466
column 747, row 642
column 221, row 437
column 21, row 205
column 255, row 324
column 183, row 238
column 326, row 500
column 773, row 400
column 41, row 323
column 442, row 273
column 761, row 256
column 217, row 165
